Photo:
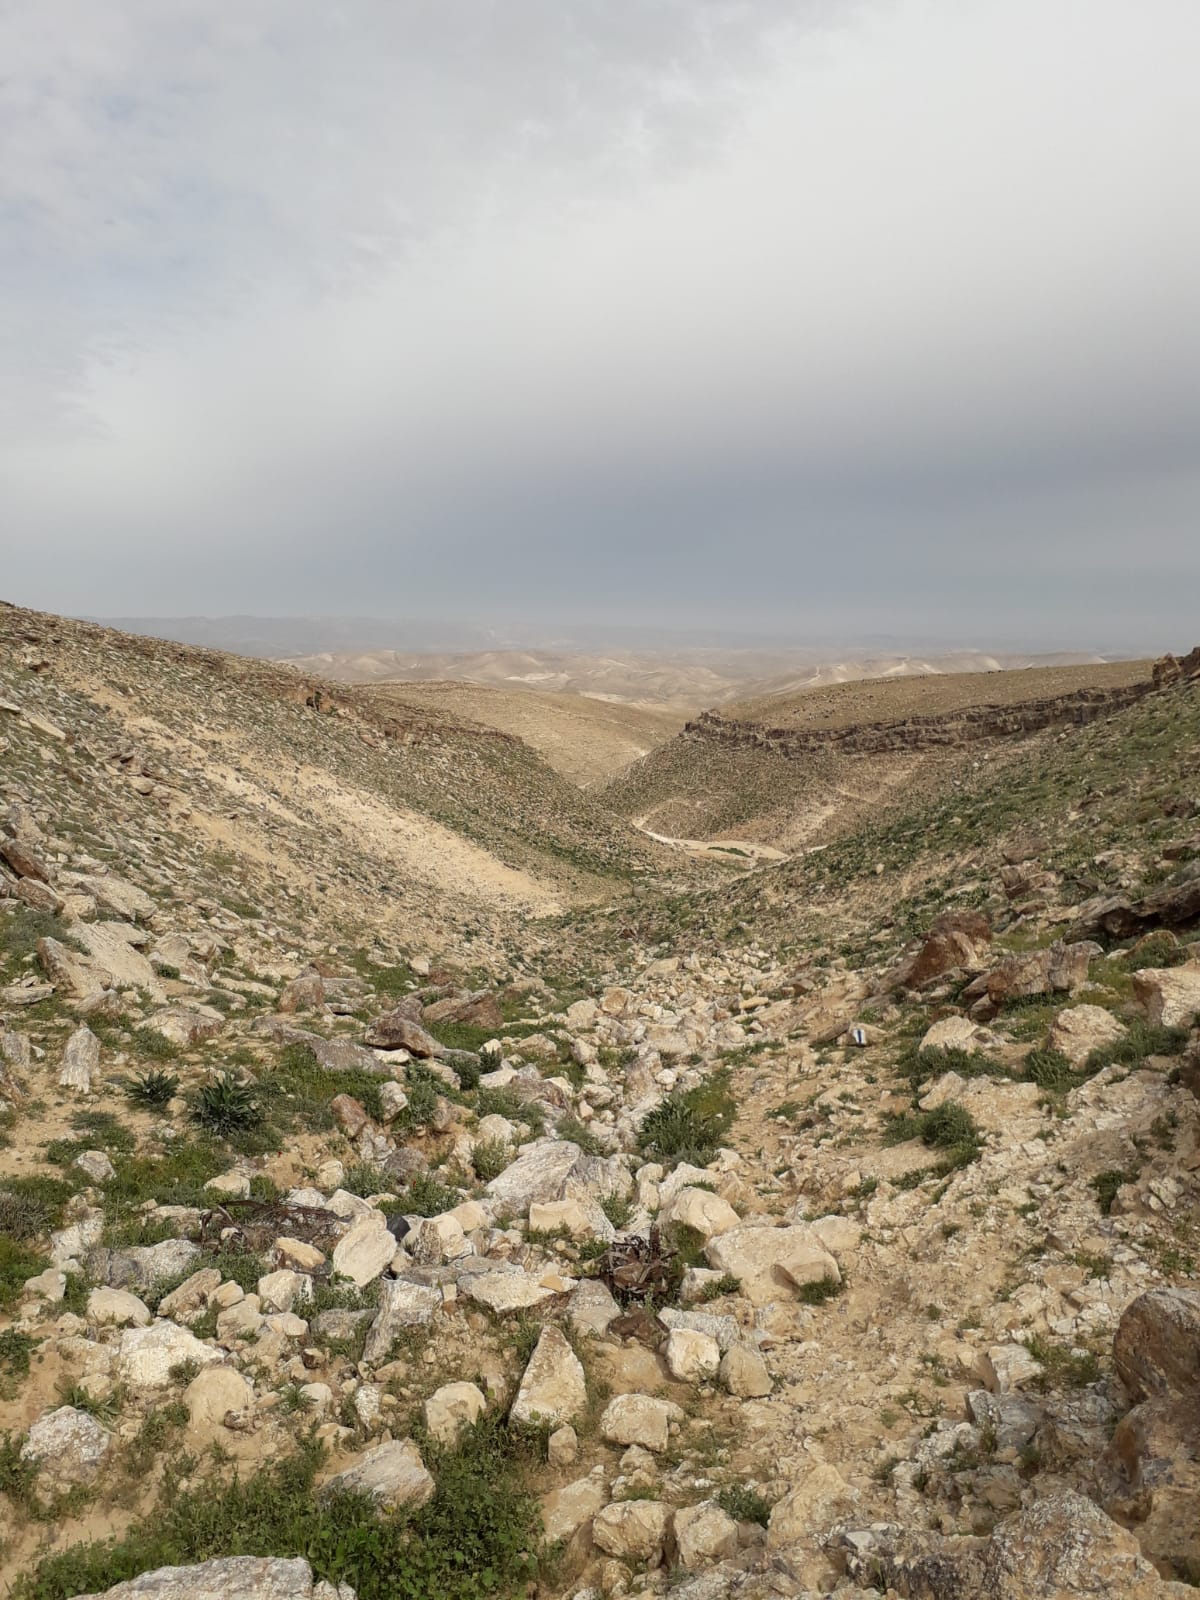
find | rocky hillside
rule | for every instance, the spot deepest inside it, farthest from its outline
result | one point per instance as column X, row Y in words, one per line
column 826, row 1229
column 779, row 767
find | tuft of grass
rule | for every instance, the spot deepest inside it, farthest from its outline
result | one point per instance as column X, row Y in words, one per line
column 1142, row 1039
column 489, row 1159
column 690, row 1124
column 1050, row 1070
column 225, row 1104
column 427, row 1197
column 743, row 1504
column 1105, row 1185
column 152, row 1089
column 154, row 1046
column 816, row 1294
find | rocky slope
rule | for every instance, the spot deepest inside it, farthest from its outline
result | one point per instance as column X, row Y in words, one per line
column 828, row 1230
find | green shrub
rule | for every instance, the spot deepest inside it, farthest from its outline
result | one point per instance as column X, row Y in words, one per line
column 690, row 1124
column 17, row 1264
column 364, row 1178
column 155, row 1046
column 475, row 1539
column 579, row 1133
column 1142, row 1039
column 31, row 1206
column 618, row 1208
column 153, row 1089
column 1050, row 1070
column 1105, row 1185
column 225, row 1104
column 426, row 1197
column 489, row 1159
column 744, row 1504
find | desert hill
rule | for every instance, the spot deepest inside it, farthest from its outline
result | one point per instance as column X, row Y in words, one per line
column 413, row 1181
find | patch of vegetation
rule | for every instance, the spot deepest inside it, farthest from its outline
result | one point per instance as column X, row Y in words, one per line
column 31, row 1206
column 1063, row 1367
column 1142, row 1039
column 477, row 1538
column 365, row 1178
column 489, row 1159
column 690, row 1124
column 743, row 1504
column 618, row 1208
column 225, row 1104
column 427, row 1197
column 153, row 1046
column 579, row 1133
column 949, row 1127
column 820, row 1290
column 725, row 1284
column 15, row 1351
column 917, row 1065
column 1105, row 1185
column 1050, row 1070
column 17, row 1264
column 153, row 1089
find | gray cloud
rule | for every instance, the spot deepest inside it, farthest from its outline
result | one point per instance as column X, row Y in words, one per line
column 706, row 312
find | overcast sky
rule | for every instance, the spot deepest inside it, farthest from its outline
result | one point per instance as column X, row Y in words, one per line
column 793, row 314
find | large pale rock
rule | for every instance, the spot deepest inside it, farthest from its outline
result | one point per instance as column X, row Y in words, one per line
column 1005, row 1367
column 958, row 939
column 81, row 1061
column 452, row 1408
column 704, row 1533
column 228, row 1578
column 507, row 1291
column 392, row 1474
column 189, row 1299
column 1079, row 1030
column 108, row 945
column 810, row 1507
column 279, row 1291
column 633, row 1530
column 771, row 1262
column 744, row 1373
column 69, row 1445
column 438, row 1239
column 146, row 1356
column 115, row 897
column 188, row 1026
column 398, row 1032
column 365, row 1250
column 592, row 1308
column 299, row 1254
column 548, row 1216
column 117, row 1307
column 955, row 1033
column 401, row 1305
column 95, row 1165
column 1171, row 995
column 639, row 1419
column 1064, row 1545
column 705, row 1213
column 553, row 1388
column 1157, row 1345
column 692, row 1357
column 537, row 1174
column 564, row 1511
column 214, row 1395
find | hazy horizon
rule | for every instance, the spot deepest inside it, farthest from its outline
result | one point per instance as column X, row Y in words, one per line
column 701, row 315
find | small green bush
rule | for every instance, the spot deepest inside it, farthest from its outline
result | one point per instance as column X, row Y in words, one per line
column 152, row 1089
column 1105, row 1185
column 744, row 1504
column 489, row 1159
column 690, row 1124
column 225, row 1104
column 426, row 1197
column 1050, row 1070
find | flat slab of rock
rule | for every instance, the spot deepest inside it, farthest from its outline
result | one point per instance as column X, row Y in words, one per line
column 227, row 1578
column 639, row 1419
column 363, row 1253
column 553, row 1388
column 81, row 1061
column 401, row 1305
column 1171, row 995
column 392, row 1474
column 507, row 1291
column 1156, row 1350
column 538, row 1173
column 108, row 945
column 68, row 1444
column 771, row 1262
column 146, row 1356
column 1079, row 1030
column 633, row 1530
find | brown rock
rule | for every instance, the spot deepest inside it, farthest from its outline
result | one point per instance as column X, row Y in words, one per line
column 350, row 1116
column 1157, row 1345
column 1056, row 970
column 305, row 993
column 398, row 1032
column 957, row 939
column 1150, row 1477
column 23, row 860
